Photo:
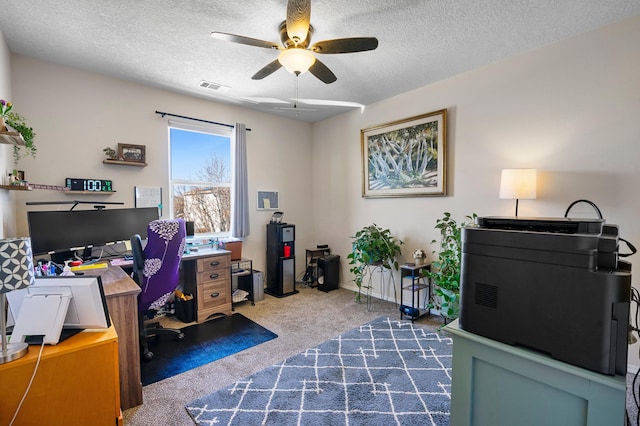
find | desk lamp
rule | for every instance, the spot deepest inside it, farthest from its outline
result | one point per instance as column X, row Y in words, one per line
column 518, row 184
column 16, row 272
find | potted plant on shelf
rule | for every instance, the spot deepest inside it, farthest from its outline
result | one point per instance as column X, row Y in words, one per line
column 372, row 245
column 12, row 121
column 419, row 256
column 110, row 153
column 445, row 270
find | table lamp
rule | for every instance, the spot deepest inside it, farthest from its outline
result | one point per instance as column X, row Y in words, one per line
column 16, row 272
column 518, row 184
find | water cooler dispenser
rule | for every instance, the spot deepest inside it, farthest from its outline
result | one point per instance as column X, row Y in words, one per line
column 281, row 260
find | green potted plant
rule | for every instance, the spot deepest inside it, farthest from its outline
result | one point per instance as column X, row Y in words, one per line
column 12, row 120
column 110, row 153
column 445, row 270
column 372, row 245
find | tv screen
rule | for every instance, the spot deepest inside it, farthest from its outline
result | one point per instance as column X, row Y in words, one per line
column 56, row 231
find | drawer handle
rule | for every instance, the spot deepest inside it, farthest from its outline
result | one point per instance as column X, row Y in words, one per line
column 214, row 276
column 215, row 263
column 215, row 294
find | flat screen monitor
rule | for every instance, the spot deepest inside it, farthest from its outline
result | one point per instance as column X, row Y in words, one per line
column 58, row 231
column 56, row 303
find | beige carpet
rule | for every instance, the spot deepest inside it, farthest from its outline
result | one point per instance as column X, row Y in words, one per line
column 301, row 321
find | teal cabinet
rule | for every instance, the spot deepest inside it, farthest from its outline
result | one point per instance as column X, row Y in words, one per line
column 498, row 384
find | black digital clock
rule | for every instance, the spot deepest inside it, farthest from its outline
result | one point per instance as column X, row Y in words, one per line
column 91, row 185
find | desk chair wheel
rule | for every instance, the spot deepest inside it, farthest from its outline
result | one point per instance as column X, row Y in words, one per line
column 147, row 356
column 179, row 336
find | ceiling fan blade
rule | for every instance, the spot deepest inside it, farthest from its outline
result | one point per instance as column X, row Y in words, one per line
column 327, row 102
column 264, row 100
column 323, row 73
column 345, row 45
column 294, row 108
column 267, row 70
column 298, row 19
column 244, row 40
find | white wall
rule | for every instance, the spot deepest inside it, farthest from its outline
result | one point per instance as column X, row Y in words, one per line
column 6, row 151
column 76, row 114
column 571, row 110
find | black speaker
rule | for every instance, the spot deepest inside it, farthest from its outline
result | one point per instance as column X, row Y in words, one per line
column 190, row 226
column 328, row 272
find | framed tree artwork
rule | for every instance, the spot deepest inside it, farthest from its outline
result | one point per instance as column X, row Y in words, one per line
column 405, row 158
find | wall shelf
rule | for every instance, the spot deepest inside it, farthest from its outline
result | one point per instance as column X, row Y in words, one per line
column 90, row 192
column 12, row 138
column 124, row 163
column 16, row 188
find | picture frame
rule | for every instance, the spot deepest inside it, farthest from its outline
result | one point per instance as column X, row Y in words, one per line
column 131, row 153
column 268, row 200
column 405, row 158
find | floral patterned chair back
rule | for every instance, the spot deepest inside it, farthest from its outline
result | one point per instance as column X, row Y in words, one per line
column 158, row 275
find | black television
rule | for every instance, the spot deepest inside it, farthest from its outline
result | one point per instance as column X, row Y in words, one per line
column 61, row 232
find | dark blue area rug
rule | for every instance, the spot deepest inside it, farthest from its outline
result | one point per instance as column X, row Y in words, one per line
column 386, row 372
column 202, row 344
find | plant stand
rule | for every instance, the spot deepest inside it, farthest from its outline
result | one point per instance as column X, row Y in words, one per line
column 419, row 282
column 369, row 272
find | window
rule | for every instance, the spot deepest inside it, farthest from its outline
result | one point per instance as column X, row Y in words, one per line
column 201, row 177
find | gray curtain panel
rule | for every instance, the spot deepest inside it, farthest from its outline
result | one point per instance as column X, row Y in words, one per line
column 240, row 219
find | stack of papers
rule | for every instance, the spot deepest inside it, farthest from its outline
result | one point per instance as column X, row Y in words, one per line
column 83, row 267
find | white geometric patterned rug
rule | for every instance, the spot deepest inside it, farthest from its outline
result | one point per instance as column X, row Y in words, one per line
column 386, row 372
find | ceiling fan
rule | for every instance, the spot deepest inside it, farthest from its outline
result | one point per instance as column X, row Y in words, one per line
column 297, row 55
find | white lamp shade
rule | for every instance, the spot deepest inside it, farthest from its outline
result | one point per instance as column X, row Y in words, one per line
column 16, row 264
column 518, row 184
column 296, row 60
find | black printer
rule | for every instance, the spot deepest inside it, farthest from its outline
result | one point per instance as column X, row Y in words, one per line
column 553, row 285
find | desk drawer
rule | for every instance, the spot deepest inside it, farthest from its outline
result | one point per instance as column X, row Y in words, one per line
column 212, row 294
column 214, row 263
column 213, row 275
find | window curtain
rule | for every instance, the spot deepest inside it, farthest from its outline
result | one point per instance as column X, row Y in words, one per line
column 240, row 219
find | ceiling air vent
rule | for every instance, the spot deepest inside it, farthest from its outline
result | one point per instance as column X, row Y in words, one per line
column 214, row 86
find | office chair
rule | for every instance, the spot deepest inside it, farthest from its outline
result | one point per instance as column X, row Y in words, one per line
column 156, row 271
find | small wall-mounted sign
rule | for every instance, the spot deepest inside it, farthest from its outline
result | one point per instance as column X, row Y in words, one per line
column 268, row 200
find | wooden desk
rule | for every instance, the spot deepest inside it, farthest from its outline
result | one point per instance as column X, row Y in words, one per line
column 121, row 293
column 76, row 383
column 122, row 299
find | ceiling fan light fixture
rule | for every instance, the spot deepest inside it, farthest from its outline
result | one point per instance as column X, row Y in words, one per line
column 297, row 61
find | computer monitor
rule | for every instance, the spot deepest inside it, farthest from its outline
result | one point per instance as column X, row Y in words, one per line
column 56, row 303
column 68, row 231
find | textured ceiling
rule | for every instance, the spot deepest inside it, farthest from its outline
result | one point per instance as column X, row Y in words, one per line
column 167, row 43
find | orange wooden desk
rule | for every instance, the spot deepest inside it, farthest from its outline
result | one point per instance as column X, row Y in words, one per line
column 77, row 383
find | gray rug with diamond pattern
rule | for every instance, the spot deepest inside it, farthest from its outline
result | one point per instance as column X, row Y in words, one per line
column 386, row 372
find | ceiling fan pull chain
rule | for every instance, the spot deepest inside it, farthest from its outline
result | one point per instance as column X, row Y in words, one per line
column 295, row 100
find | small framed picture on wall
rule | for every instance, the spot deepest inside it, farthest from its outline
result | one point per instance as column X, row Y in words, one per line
column 268, row 200
column 131, row 153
